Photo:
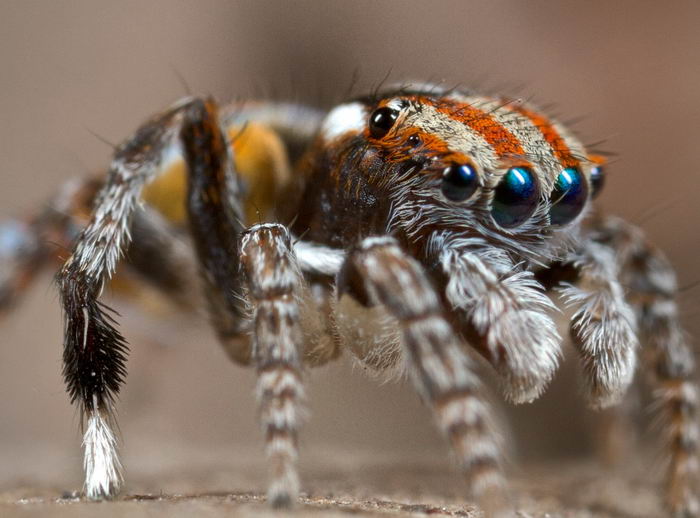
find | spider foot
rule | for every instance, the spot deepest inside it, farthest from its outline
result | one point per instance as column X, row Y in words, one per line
column 103, row 469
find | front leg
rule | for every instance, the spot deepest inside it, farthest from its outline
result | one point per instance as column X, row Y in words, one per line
column 603, row 327
column 440, row 369
column 504, row 312
column 274, row 279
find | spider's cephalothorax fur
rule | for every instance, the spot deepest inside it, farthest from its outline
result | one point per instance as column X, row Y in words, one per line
column 425, row 223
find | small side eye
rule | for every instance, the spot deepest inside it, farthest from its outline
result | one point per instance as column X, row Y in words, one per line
column 413, row 140
column 597, row 180
column 459, row 182
column 381, row 120
column 515, row 197
column 568, row 196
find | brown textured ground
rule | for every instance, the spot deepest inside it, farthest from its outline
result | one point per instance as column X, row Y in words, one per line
column 338, row 485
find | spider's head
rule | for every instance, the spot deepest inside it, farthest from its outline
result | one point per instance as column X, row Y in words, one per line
column 471, row 166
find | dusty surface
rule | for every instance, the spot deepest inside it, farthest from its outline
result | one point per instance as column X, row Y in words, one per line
column 337, row 485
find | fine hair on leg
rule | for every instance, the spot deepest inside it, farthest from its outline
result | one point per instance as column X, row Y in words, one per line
column 603, row 326
column 441, row 370
column 94, row 350
column 274, row 280
column 668, row 359
column 504, row 312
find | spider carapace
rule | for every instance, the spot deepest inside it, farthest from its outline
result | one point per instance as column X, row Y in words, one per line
column 410, row 227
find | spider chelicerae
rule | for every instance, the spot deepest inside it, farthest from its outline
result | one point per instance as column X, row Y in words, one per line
column 423, row 223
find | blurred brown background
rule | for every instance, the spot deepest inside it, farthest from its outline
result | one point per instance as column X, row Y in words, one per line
column 68, row 69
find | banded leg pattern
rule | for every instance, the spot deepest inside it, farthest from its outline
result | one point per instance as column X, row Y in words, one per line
column 671, row 365
column 440, row 368
column 273, row 280
column 668, row 358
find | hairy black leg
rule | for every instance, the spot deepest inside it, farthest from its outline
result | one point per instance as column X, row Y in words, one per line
column 94, row 350
column 274, row 283
column 440, row 368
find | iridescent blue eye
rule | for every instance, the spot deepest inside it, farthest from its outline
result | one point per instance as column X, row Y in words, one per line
column 597, row 180
column 515, row 197
column 459, row 182
column 568, row 197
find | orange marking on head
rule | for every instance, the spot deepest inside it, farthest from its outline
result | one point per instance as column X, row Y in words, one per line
column 597, row 159
column 503, row 142
column 550, row 134
column 400, row 148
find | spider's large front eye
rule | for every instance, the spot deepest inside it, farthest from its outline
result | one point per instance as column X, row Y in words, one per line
column 568, row 197
column 597, row 180
column 515, row 197
column 381, row 121
column 459, row 182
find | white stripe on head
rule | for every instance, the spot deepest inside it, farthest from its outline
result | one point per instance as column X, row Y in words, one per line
column 457, row 135
column 531, row 138
column 536, row 148
column 351, row 117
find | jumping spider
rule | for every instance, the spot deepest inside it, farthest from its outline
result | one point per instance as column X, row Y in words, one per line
column 424, row 222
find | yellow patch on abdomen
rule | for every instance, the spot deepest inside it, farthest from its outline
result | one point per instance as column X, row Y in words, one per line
column 261, row 161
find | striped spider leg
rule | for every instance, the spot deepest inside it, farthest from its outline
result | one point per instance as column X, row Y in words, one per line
column 378, row 270
column 615, row 262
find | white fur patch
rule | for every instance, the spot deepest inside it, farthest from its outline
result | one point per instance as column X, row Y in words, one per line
column 103, row 470
column 318, row 258
column 345, row 118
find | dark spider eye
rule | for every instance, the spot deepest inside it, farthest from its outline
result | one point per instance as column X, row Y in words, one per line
column 381, row 121
column 515, row 197
column 568, row 197
column 413, row 140
column 459, row 181
column 597, row 180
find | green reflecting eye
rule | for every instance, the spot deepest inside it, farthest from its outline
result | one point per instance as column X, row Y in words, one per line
column 515, row 197
column 568, row 197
